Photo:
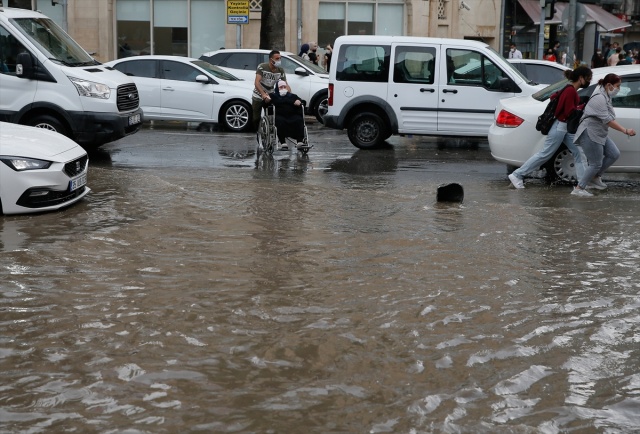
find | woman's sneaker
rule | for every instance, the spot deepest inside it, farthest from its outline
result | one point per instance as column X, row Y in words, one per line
column 517, row 182
column 580, row 192
column 597, row 184
column 284, row 147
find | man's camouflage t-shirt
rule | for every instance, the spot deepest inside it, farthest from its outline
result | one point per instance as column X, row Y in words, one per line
column 269, row 79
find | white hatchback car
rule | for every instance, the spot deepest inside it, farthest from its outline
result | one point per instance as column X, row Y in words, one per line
column 307, row 80
column 513, row 137
column 40, row 170
column 540, row 71
column 187, row 89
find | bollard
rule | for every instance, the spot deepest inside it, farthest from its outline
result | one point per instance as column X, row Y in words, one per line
column 452, row 192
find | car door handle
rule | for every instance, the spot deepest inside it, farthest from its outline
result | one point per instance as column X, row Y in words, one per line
column 424, row 89
column 449, row 91
column 168, row 88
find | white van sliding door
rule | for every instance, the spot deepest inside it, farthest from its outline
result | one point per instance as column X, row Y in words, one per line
column 413, row 90
column 469, row 92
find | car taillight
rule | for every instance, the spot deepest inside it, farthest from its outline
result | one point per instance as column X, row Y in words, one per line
column 508, row 120
column 330, row 94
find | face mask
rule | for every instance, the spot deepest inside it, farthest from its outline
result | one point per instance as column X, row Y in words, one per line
column 283, row 92
column 599, row 52
column 513, row 50
column 614, row 92
column 586, row 84
column 277, row 63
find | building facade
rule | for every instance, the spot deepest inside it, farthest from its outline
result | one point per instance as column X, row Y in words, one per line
column 118, row 28
column 121, row 28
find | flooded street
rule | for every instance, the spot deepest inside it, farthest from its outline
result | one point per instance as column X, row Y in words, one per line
column 200, row 289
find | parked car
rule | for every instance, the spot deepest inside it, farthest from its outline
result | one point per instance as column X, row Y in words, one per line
column 307, row 80
column 40, row 170
column 385, row 85
column 188, row 89
column 540, row 71
column 513, row 137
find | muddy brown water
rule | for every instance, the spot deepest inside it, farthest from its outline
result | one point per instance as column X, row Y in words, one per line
column 199, row 290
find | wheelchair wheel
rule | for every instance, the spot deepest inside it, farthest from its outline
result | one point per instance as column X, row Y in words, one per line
column 265, row 143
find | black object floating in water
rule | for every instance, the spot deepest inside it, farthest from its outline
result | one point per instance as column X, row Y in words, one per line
column 450, row 193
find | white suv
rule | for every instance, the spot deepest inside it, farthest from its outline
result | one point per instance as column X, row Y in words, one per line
column 307, row 80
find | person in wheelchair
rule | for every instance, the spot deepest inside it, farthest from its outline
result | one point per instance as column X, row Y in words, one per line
column 289, row 116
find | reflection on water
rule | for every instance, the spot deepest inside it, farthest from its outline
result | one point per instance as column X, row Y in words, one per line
column 282, row 298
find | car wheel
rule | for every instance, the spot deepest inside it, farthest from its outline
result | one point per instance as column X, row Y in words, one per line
column 367, row 130
column 235, row 116
column 561, row 167
column 48, row 122
column 320, row 107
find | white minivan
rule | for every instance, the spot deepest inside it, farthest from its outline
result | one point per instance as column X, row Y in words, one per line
column 385, row 85
column 47, row 80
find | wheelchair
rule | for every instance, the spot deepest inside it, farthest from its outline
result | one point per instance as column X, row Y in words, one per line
column 267, row 135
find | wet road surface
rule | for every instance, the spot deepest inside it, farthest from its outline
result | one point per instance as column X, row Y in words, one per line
column 201, row 289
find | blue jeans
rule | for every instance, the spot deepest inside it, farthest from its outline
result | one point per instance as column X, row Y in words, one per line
column 557, row 134
column 599, row 157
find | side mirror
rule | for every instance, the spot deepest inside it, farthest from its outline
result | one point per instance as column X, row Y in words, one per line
column 301, row 71
column 202, row 79
column 507, row 85
column 24, row 65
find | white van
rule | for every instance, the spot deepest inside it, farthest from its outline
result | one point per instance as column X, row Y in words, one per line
column 385, row 85
column 47, row 80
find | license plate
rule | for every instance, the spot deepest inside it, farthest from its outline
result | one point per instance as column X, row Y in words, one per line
column 134, row 119
column 77, row 182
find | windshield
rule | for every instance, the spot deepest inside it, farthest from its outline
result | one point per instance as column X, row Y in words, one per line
column 215, row 71
column 513, row 68
column 544, row 94
column 53, row 41
column 309, row 65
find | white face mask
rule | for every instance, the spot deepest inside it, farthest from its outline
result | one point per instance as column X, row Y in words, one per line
column 283, row 92
column 277, row 63
column 613, row 92
column 513, row 50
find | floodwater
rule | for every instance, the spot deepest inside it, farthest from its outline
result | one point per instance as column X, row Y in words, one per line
column 197, row 291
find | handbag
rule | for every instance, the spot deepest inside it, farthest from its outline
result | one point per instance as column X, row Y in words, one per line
column 548, row 117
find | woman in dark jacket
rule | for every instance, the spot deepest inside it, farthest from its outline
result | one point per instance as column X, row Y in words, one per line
column 289, row 116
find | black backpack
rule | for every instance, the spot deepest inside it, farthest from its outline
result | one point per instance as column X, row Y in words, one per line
column 548, row 117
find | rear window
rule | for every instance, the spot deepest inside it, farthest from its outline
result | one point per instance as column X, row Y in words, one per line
column 363, row 63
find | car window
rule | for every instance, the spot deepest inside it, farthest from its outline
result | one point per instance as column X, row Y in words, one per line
column 629, row 95
column 138, row 68
column 215, row 71
column 247, row 61
column 179, row 71
column 9, row 50
column 414, row 65
column 363, row 63
column 309, row 65
column 470, row 68
column 544, row 74
column 289, row 65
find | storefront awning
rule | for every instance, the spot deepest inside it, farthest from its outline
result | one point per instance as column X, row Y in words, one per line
column 604, row 19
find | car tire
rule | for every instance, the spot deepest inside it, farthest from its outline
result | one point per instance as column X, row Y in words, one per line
column 320, row 107
column 48, row 122
column 561, row 168
column 367, row 131
column 236, row 116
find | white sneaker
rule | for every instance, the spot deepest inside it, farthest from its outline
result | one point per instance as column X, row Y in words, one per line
column 597, row 184
column 284, row 147
column 301, row 145
column 517, row 182
column 580, row 192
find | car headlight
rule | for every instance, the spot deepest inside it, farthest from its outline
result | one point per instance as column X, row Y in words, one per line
column 20, row 164
column 90, row 88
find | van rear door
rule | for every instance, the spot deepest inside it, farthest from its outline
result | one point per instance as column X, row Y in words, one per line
column 470, row 91
column 413, row 90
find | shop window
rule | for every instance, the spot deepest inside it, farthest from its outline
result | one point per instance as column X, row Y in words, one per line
column 170, row 33
column 133, row 19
